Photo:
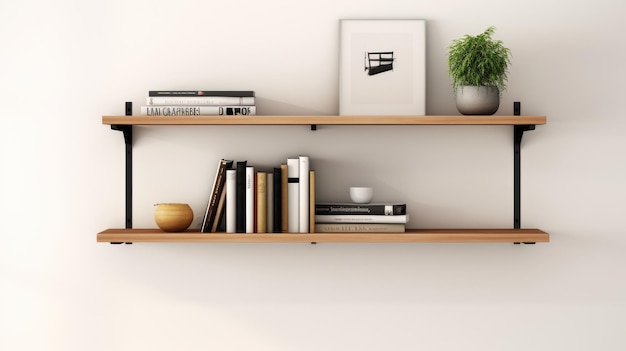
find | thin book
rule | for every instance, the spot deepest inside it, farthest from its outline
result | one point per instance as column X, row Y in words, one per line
column 361, row 219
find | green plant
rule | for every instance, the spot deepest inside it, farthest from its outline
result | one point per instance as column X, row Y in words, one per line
column 479, row 61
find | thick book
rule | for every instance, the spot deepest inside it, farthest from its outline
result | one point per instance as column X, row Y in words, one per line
column 250, row 202
column 361, row 218
column 236, row 93
column 389, row 209
column 216, row 193
column 303, row 196
column 231, row 200
column 293, row 195
column 261, row 202
column 183, row 111
column 240, row 212
column 200, row 100
column 360, row 228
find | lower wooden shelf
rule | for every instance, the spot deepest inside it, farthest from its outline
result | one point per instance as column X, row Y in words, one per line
column 411, row 235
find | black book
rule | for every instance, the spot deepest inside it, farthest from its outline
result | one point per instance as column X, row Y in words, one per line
column 240, row 214
column 388, row 209
column 278, row 206
column 236, row 93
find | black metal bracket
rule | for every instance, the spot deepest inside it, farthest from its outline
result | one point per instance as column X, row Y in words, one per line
column 128, row 142
column 518, row 133
column 313, row 126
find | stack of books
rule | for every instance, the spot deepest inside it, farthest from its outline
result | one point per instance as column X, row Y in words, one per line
column 351, row 217
column 199, row 103
column 252, row 199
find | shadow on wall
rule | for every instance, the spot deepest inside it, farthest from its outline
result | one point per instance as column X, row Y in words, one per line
column 268, row 107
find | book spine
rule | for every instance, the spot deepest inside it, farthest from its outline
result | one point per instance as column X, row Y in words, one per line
column 277, row 200
column 361, row 219
column 241, row 197
column 361, row 209
column 293, row 195
column 250, row 199
column 303, row 197
column 231, row 201
column 182, row 111
column 219, row 212
column 261, row 202
column 235, row 93
column 216, row 192
column 284, row 198
column 200, row 100
column 312, row 201
column 270, row 202
column 360, row 228
column 219, row 218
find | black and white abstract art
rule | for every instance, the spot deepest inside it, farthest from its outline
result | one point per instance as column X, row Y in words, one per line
column 382, row 67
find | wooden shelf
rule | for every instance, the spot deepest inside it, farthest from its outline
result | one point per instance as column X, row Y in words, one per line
column 520, row 125
column 325, row 120
column 411, row 235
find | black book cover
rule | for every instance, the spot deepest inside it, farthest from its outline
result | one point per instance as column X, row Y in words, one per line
column 360, row 209
column 240, row 215
column 235, row 93
column 278, row 208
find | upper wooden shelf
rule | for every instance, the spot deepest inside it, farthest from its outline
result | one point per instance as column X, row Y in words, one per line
column 411, row 235
column 326, row 120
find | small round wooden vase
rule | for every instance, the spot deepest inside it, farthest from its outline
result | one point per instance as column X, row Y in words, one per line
column 173, row 217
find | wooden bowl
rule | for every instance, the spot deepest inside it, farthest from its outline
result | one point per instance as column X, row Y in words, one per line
column 173, row 217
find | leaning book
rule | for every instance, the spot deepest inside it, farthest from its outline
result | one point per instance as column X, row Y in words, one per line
column 389, row 209
column 211, row 215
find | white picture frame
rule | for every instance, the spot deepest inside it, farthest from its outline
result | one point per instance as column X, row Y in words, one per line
column 382, row 67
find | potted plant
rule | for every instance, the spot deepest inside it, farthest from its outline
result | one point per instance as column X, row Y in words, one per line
column 478, row 66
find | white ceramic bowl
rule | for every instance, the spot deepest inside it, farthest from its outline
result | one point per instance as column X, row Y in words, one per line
column 361, row 194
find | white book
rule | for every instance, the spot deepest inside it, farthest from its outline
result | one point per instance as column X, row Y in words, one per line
column 197, row 110
column 304, row 168
column 293, row 195
column 361, row 219
column 250, row 199
column 231, row 200
column 270, row 202
column 200, row 100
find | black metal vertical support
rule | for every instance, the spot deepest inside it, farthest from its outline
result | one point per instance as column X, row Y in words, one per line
column 128, row 142
column 518, row 132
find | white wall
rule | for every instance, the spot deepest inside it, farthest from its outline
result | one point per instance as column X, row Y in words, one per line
column 64, row 64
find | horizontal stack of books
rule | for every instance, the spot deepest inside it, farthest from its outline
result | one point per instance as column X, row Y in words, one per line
column 249, row 199
column 199, row 103
column 351, row 217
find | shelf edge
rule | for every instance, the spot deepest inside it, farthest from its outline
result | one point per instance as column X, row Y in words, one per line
column 326, row 120
column 412, row 235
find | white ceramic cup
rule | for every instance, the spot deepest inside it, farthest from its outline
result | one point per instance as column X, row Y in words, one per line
column 361, row 194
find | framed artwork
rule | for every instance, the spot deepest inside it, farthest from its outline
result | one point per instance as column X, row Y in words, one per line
column 382, row 67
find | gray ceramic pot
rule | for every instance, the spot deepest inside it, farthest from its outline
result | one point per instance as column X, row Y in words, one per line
column 482, row 100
